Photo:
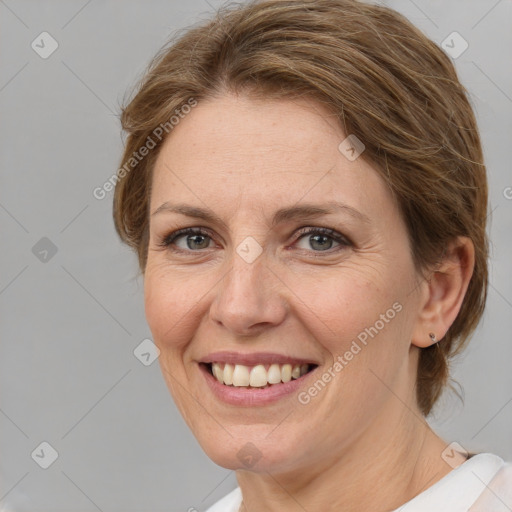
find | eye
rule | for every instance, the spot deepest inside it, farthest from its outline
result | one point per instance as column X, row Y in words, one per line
column 194, row 239
column 322, row 239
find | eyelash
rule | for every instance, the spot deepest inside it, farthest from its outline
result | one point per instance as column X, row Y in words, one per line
column 168, row 240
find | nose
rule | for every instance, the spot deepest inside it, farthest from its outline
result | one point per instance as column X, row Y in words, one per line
column 249, row 298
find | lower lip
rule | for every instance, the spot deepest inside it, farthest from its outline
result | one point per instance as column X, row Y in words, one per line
column 252, row 396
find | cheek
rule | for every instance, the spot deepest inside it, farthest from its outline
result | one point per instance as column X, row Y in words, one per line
column 346, row 300
column 362, row 325
column 360, row 314
column 171, row 313
column 172, row 307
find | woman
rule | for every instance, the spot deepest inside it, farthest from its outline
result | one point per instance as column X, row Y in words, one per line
column 324, row 158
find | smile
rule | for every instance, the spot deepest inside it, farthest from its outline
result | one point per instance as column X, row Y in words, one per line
column 257, row 376
column 251, row 380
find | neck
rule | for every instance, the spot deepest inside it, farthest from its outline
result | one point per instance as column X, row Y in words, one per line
column 386, row 466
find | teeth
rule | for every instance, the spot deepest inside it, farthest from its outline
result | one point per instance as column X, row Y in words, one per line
column 274, row 374
column 217, row 372
column 227, row 375
column 258, row 376
column 240, row 375
column 286, row 373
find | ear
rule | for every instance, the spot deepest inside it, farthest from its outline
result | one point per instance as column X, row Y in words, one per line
column 443, row 292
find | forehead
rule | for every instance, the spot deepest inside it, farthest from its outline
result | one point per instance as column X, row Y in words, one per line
column 258, row 152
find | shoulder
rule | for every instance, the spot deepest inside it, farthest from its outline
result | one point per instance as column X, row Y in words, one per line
column 497, row 494
column 229, row 503
column 481, row 484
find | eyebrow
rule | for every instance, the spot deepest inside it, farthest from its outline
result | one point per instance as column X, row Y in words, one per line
column 297, row 212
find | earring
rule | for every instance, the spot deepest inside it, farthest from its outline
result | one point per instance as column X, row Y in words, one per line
column 433, row 337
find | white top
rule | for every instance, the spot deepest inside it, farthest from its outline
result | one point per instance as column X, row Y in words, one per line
column 481, row 484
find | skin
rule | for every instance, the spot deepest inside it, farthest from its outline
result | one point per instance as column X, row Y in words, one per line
column 361, row 443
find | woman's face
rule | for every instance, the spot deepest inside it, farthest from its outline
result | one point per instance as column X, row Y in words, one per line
column 267, row 280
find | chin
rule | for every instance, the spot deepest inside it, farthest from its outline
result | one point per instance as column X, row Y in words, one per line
column 249, row 448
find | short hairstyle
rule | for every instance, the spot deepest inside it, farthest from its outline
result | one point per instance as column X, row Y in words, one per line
column 382, row 79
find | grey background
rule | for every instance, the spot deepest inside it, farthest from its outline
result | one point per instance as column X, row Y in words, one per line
column 69, row 325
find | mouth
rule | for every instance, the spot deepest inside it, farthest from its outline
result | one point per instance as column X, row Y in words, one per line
column 257, row 376
column 255, row 379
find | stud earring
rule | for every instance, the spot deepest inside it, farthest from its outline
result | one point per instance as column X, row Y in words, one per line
column 433, row 337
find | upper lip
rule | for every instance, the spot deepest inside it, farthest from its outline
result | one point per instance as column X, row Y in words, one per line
column 253, row 358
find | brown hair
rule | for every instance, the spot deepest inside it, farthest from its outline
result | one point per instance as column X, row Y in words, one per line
column 386, row 82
